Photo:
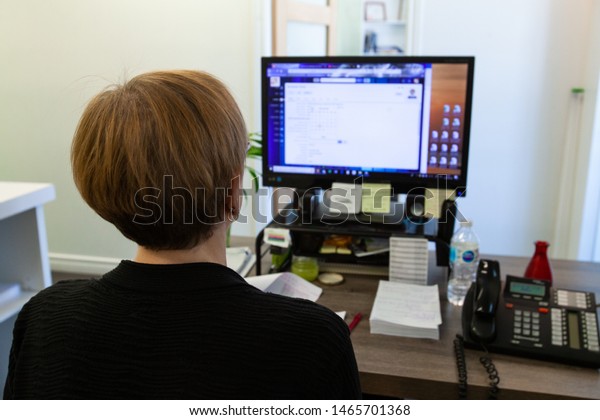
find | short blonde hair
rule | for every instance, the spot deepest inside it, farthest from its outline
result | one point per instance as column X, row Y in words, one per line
column 181, row 128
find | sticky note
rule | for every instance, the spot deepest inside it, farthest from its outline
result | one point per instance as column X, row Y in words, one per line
column 376, row 198
column 346, row 197
column 433, row 203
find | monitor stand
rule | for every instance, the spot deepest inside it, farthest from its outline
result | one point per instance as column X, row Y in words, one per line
column 314, row 206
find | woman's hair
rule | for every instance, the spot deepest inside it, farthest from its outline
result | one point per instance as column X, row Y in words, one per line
column 156, row 155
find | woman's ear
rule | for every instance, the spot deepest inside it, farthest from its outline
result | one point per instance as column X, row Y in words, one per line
column 234, row 198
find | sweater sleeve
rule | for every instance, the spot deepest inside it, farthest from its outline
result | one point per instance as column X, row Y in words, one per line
column 9, row 386
column 347, row 370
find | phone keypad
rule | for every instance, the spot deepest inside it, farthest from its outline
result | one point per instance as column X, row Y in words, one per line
column 527, row 324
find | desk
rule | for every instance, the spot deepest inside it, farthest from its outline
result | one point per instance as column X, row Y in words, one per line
column 426, row 369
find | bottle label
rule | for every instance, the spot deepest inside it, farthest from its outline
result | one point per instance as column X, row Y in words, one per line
column 468, row 256
column 462, row 254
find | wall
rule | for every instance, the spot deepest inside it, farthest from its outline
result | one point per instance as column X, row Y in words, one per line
column 528, row 56
column 586, row 222
column 56, row 55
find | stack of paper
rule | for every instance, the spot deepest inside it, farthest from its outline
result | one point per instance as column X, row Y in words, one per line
column 408, row 260
column 406, row 310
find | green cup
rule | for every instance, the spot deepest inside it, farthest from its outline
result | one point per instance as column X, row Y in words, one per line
column 305, row 267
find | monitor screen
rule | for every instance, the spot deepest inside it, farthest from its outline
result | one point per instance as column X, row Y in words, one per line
column 398, row 120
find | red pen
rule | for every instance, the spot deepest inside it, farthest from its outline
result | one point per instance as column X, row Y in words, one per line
column 355, row 321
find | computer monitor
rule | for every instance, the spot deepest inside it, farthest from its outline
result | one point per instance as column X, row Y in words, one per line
column 399, row 120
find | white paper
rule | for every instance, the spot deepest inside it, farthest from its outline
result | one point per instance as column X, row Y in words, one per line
column 286, row 284
column 408, row 260
column 407, row 304
column 408, row 310
column 262, row 282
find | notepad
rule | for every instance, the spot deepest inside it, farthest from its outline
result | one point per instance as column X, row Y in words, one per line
column 406, row 310
column 408, row 260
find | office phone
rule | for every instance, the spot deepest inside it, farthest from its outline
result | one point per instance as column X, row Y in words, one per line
column 530, row 319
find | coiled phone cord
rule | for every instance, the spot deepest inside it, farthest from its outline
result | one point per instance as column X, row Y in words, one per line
column 486, row 362
column 461, row 365
column 492, row 375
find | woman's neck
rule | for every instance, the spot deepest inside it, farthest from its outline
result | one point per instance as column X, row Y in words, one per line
column 211, row 250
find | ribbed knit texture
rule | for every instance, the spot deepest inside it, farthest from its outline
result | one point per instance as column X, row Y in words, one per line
column 186, row 331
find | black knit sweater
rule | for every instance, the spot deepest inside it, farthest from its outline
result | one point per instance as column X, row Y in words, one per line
column 186, row 331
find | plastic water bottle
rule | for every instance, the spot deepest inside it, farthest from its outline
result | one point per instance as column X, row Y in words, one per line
column 464, row 260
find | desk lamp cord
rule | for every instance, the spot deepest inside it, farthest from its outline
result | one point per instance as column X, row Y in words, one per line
column 486, row 362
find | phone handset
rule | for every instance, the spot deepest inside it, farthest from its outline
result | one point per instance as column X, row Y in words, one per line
column 485, row 301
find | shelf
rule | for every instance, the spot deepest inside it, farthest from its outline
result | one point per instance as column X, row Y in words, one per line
column 308, row 235
column 13, row 306
column 17, row 197
column 391, row 33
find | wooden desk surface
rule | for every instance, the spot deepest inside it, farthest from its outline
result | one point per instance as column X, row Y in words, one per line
column 426, row 369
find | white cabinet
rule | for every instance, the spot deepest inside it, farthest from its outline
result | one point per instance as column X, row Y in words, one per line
column 385, row 27
column 23, row 253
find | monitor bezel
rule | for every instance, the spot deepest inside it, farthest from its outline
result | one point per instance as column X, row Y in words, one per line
column 401, row 183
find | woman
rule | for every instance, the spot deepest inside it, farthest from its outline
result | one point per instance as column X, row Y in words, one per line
column 161, row 158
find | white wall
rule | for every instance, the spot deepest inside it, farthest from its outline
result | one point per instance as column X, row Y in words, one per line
column 56, row 54
column 586, row 222
column 528, row 56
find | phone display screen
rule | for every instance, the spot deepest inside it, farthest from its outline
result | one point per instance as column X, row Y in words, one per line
column 527, row 289
column 573, row 320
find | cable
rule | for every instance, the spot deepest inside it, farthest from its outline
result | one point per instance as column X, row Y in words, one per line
column 493, row 375
column 461, row 365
